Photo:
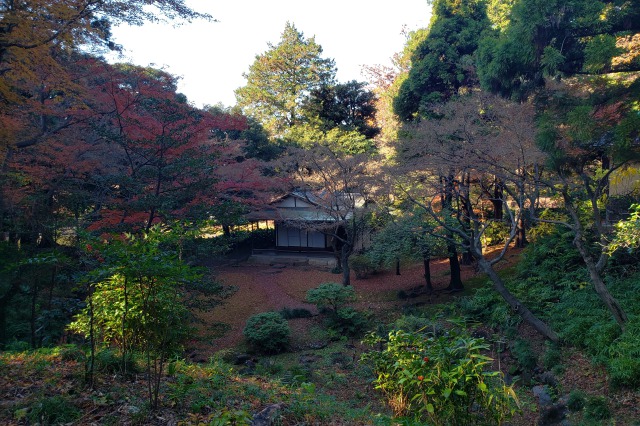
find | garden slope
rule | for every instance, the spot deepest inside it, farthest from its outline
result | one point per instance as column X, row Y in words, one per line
column 262, row 288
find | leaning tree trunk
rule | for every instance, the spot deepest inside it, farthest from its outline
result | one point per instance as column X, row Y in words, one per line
column 528, row 316
column 599, row 286
column 594, row 272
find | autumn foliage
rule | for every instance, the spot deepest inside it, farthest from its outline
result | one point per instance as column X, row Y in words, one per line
column 137, row 154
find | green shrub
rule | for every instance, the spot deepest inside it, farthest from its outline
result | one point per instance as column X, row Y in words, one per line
column 292, row 313
column 331, row 296
column 347, row 322
column 552, row 357
column 413, row 323
column 501, row 316
column 53, row 410
column 17, row 346
column 268, row 367
column 230, row 417
column 296, row 375
column 110, row 361
column 523, row 353
column 267, row 332
column 488, row 307
column 361, row 266
column 70, row 352
column 601, row 334
column 576, row 400
column 596, row 408
column 623, row 356
column 435, row 379
column 496, row 233
column 625, row 372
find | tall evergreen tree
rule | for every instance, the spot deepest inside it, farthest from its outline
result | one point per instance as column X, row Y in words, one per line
column 281, row 78
column 559, row 38
column 441, row 64
column 346, row 105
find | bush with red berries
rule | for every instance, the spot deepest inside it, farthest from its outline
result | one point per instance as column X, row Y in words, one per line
column 440, row 379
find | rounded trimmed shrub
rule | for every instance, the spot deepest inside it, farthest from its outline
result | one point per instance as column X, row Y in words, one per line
column 331, row 296
column 267, row 332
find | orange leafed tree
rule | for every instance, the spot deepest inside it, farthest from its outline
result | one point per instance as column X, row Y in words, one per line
column 138, row 154
column 37, row 37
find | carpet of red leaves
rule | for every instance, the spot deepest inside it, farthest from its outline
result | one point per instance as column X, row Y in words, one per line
column 262, row 288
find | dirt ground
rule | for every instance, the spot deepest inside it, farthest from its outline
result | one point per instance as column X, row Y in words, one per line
column 262, row 288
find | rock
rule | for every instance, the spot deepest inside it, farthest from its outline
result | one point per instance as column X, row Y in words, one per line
column 481, row 334
column 268, row 416
column 308, row 358
column 249, row 368
column 508, row 379
column 199, row 359
column 341, row 359
column 317, row 345
column 279, row 266
column 548, row 378
column 542, row 393
column 241, row 359
column 553, row 415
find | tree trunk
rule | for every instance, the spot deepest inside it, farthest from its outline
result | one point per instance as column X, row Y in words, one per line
column 337, row 254
column 427, row 273
column 454, row 264
column 455, row 284
column 528, row 316
column 606, row 165
column 467, row 209
column 467, row 258
column 600, row 287
column 521, row 232
column 496, row 200
column 397, row 266
column 344, row 259
column 92, row 342
column 594, row 273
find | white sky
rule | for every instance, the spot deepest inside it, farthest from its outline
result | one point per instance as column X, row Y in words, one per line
column 211, row 57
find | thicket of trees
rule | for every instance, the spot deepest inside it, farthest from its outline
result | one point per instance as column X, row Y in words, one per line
column 89, row 146
column 500, row 117
column 462, row 147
